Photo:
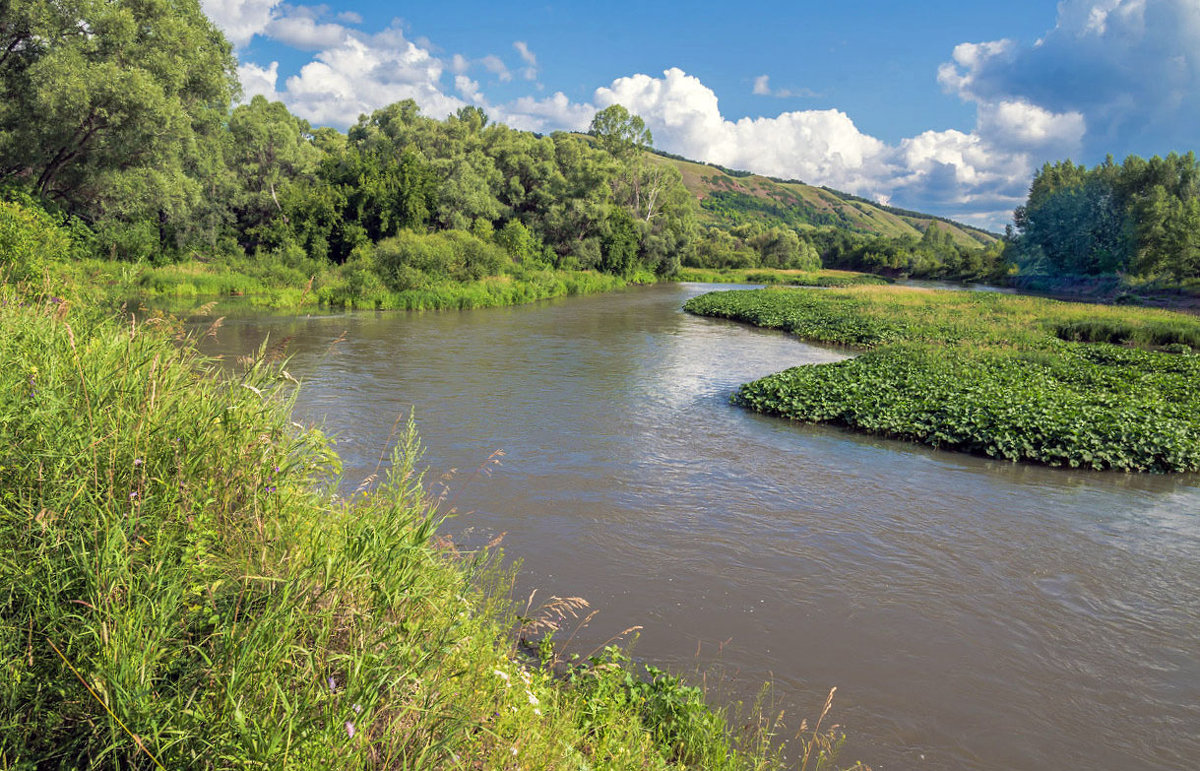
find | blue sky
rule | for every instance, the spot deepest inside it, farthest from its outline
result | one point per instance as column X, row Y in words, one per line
column 947, row 107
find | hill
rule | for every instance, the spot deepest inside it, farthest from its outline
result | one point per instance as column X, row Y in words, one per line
column 731, row 197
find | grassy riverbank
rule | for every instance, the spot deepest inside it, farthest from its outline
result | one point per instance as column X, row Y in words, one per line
column 181, row 588
column 1018, row 378
column 822, row 278
column 283, row 288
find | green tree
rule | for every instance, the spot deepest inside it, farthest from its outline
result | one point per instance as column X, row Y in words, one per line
column 106, row 104
column 619, row 132
column 269, row 150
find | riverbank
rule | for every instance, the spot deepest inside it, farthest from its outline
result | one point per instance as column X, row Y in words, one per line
column 281, row 288
column 183, row 589
column 1010, row 377
column 1110, row 289
column 822, row 278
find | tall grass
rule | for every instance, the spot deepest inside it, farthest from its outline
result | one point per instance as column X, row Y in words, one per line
column 181, row 588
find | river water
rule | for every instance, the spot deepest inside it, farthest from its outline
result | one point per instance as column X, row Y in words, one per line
column 973, row 614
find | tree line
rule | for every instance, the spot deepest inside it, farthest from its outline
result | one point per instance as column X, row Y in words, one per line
column 120, row 118
column 1140, row 218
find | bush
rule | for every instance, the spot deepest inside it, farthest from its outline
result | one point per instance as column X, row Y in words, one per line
column 30, row 240
column 413, row 260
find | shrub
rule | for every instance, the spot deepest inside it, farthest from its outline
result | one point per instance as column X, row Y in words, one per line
column 30, row 240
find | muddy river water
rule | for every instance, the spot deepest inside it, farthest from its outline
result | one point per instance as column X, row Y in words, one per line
column 972, row 613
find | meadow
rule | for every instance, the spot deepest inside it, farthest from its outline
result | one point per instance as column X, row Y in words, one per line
column 1015, row 378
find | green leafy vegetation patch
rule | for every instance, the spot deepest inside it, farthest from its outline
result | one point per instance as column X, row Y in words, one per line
column 986, row 373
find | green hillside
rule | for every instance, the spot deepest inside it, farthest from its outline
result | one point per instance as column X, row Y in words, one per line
column 730, row 198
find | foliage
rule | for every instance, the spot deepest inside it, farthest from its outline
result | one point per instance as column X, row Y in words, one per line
column 30, row 241
column 1141, row 217
column 620, row 132
column 110, row 108
column 987, row 373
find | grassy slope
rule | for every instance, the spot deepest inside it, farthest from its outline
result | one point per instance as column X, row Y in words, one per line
column 1017, row 378
column 180, row 588
column 702, row 180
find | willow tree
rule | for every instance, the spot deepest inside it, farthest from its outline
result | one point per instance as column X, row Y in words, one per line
column 111, row 107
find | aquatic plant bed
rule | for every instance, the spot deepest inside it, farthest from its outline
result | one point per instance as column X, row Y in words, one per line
column 985, row 373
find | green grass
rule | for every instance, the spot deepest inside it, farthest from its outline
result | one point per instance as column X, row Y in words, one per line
column 185, row 285
column 987, row 373
column 180, row 587
column 820, row 278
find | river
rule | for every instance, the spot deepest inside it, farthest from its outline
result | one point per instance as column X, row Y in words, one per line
column 973, row 614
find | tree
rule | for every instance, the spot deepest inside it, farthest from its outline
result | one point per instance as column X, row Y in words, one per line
column 621, row 133
column 268, row 149
column 106, row 103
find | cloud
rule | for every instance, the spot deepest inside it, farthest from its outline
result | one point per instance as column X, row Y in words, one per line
column 762, row 87
column 240, row 20
column 820, row 145
column 530, row 72
column 1129, row 68
column 495, row 65
column 553, row 113
column 361, row 73
column 469, row 89
column 304, row 32
column 258, row 80
column 979, row 175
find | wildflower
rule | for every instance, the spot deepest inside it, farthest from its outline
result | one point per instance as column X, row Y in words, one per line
column 532, row 699
column 133, row 495
column 349, row 729
column 137, row 461
column 502, row 675
column 332, row 685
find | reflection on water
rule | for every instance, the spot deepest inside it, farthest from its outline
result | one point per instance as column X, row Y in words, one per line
column 973, row 613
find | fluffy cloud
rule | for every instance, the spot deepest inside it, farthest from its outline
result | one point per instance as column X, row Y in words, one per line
column 823, row 146
column 258, row 80
column 1129, row 68
column 554, row 113
column 981, row 175
column 240, row 20
column 495, row 65
column 305, row 32
column 361, row 73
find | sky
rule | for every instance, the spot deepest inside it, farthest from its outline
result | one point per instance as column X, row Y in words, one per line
column 947, row 107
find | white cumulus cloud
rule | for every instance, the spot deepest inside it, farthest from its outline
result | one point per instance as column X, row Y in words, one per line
column 362, row 73
column 240, row 20
column 257, row 80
